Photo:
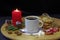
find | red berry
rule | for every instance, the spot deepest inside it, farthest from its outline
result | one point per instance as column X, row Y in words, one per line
column 51, row 29
column 55, row 29
column 49, row 32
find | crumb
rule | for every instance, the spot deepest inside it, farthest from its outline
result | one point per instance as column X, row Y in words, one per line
column 9, row 32
column 18, row 33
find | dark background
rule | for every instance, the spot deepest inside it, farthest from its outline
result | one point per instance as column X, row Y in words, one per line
column 30, row 7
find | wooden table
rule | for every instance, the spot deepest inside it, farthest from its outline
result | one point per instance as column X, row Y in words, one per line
column 26, row 37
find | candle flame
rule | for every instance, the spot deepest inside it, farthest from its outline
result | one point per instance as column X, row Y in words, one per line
column 17, row 10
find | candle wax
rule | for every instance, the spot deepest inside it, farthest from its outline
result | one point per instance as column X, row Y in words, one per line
column 16, row 16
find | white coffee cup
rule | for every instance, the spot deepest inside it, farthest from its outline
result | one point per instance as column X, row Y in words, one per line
column 32, row 25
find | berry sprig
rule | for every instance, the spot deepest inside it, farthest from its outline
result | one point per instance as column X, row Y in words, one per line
column 52, row 30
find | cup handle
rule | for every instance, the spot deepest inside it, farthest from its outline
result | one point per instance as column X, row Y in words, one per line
column 41, row 23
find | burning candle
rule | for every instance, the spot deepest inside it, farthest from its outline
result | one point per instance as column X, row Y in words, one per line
column 16, row 17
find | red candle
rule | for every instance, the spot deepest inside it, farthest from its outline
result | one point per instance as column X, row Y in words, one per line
column 16, row 17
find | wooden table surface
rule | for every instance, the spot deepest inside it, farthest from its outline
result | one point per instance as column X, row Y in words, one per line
column 26, row 37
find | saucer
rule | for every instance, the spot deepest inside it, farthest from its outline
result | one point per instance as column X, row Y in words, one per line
column 39, row 33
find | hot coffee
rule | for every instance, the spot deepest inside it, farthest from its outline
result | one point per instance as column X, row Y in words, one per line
column 31, row 18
